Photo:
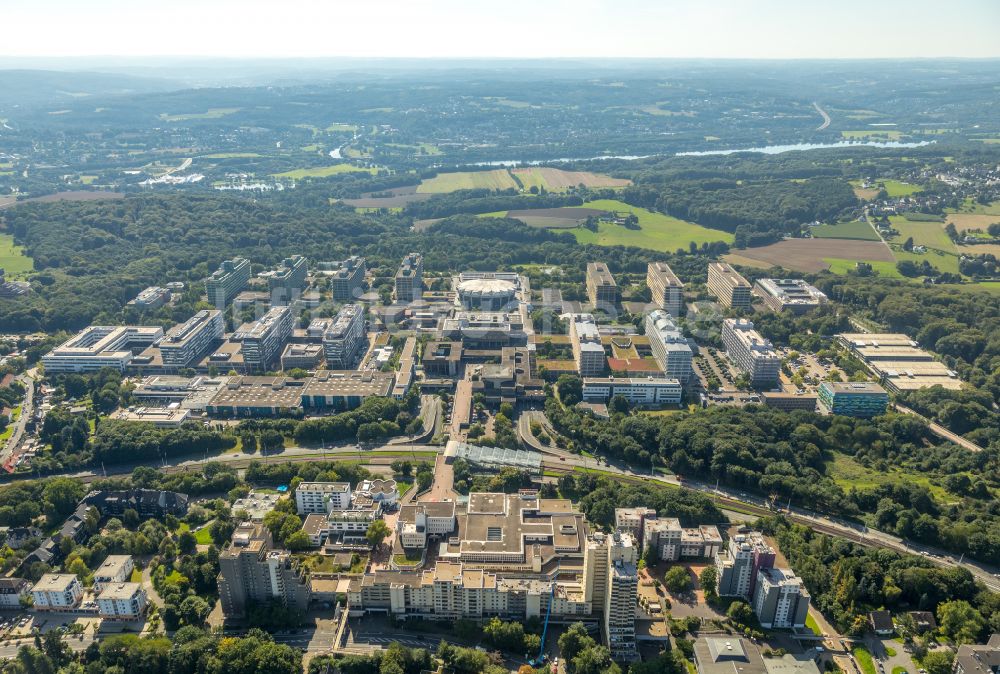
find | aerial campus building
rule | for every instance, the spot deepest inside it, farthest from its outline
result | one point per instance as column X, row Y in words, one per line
column 344, row 341
column 669, row 346
column 274, row 396
column 487, row 291
column 347, row 278
column 153, row 297
column 227, row 281
column 100, row 346
column 601, row 287
column 641, row 391
column 853, row 399
column 731, row 289
column 409, row 284
column 750, row 352
column 588, row 352
column 264, row 339
column 898, row 362
column 665, row 288
column 287, row 281
column 794, row 295
column 187, row 343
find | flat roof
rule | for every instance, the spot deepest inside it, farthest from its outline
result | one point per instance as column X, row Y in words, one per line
column 120, row 591
column 54, row 582
column 599, row 272
column 855, row 387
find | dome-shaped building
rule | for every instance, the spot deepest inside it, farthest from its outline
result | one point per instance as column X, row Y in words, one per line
column 486, row 294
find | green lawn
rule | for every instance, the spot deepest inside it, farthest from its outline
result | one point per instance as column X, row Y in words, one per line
column 656, row 231
column 231, row 155
column 848, row 473
column 203, row 536
column 970, row 206
column 855, row 229
column 812, row 625
column 211, row 113
column 843, row 266
column 895, row 188
column 443, row 183
column 899, row 670
column 12, row 258
column 864, row 659
column 941, row 251
column 323, row 171
column 136, row 575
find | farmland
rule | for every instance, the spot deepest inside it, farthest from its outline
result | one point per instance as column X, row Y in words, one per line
column 872, row 134
column 12, row 258
column 895, row 188
column 656, row 231
column 925, row 233
column 211, row 113
column 966, row 221
column 550, row 218
column 550, row 179
column 863, row 192
column 322, row 171
column 846, row 230
column 811, row 255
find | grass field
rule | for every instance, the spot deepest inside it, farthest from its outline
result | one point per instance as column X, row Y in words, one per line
column 863, row 192
column 841, row 266
column 442, row 183
column 231, row 155
column 864, row 659
column 211, row 113
column 872, row 134
column 813, row 254
column 970, row 206
column 895, row 188
column 323, row 171
column 203, row 536
column 846, row 230
column 813, row 627
column 964, row 221
column 848, row 473
column 12, row 258
column 924, row 233
column 656, row 231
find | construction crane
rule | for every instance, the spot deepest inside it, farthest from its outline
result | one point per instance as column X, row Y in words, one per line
column 540, row 660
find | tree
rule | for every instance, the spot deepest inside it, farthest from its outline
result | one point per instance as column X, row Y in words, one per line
column 595, row 660
column 377, row 532
column 425, row 479
column 193, row 610
column 570, row 389
column 574, row 640
column 220, row 531
column 960, row 622
column 298, row 541
column 938, row 662
column 402, row 468
column 709, row 580
column 59, row 498
column 740, row 612
column 678, row 579
column 187, row 543
column 619, row 404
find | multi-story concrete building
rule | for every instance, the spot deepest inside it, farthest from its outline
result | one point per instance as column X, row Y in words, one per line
column 57, row 592
column 853, row 399
column 898, row 362
column 301, row 356
column 419, row 521
column 251, row 571
column 488, row 291
column 345, row 340
column 780, row 599
column 322, row 497
column 728, row 286
column 794, row 295
column 442, row 358
column 588, row 352
column 287, row 281
column 153, row 297
column 114, row 569
column 347, row 279
column 623, row 593
column 601, row 287
column 485, row 330
column 186, row 344
column 409, row 281
column 633, row 520
column 263, row 340
column 642, row 391
column 227, row 281
column 122, row 601
column 669, row 346
column 100, row 346
column 750, row 352
column 673, row 542
column 666, row 289
column 978, row 658
column 738, row 565
column 347, row 526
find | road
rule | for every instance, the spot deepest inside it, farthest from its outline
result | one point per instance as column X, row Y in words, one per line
column 826, row 117
column 939, row 430
column 27, row 410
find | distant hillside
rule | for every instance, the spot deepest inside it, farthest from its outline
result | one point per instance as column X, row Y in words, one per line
column 33, row 88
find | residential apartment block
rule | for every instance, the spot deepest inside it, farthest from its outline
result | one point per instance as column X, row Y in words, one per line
column 669, row 346
column 409, row 283
column 750, row 352
column 347, row 279
column 601, row 287
column 623, row 592
column 853, row 399
column 731, row 289
column 666, row 289
column 12, row 590
column 641, row 391
column 227, row 281
column 588, row 352
column 322, row 497
column 57, row 592
column 114, row 569
column 780, row 600
column 793, row 295
column 673, row 542
column 251, row 571
column 632, row 520
column 345, row 341
column 739, row 563
column 186, row 344
column 263, row 340
column 122, row 601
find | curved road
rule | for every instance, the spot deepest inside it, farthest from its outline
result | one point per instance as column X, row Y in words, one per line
column 826, row 117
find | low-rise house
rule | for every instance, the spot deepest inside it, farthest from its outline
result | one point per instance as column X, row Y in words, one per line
column 11, row 591
column 881, row 622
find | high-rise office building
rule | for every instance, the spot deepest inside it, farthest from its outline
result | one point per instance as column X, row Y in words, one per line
column 738, row 565
column 187, row 343
column 227, row 281
column 601, row 287
column 731, row 289
column 264, row 339
column 669, row 346
column 623, row 592
column 287, row 281
column 854, row 399
column 750, row 352
column 344, row 341
column 348, row 279
column 409, row 284
column 588, row 352
column 666, row 289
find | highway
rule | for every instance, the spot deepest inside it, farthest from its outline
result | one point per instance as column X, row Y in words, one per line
column 826, row 117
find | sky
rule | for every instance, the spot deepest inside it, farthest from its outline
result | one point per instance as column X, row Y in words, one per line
column 511, row 28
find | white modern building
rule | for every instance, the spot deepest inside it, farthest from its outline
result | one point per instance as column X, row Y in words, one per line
column 114, row 569
column 780, row 599
column 322, row 497
column 100, row 346
column 636, row 390
column 264, row 339
column 623, row 593
column 185, row 344
column 227, row 281
column 122, row 601
column 344, row 341
column 11, row 592
column 588, row 352
column 750, row 352
column 669, row 346
column 57, row 592
column 665, row 288
column 419, row 521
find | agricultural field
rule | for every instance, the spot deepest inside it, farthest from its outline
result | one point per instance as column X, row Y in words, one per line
column 965, row 221
column 656, row 231
column 211, row 113
column 557, row 180
column 12, row 258
column 846, row 230
column 811, row 255
column 443, row 183
column 843, row 267
column 397, row 197
column 550, row 218
column 322, row 171
column 863, row 192
column 925, row 233
column 895, row 188
column 231, row 155
column 872, row 134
